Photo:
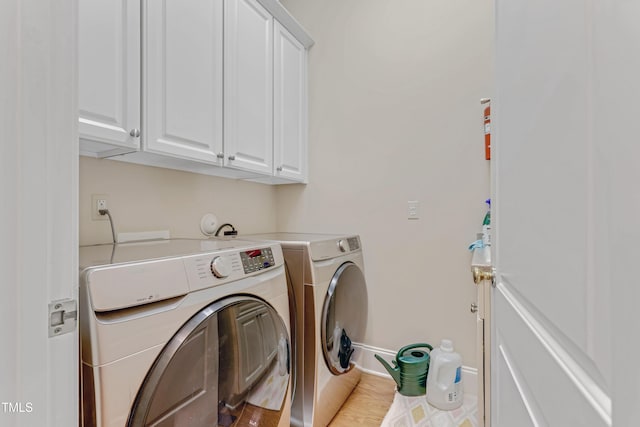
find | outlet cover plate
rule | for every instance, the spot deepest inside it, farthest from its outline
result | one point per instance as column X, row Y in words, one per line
column 94, row 207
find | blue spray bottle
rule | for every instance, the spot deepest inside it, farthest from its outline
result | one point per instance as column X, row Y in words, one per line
column 486, row 225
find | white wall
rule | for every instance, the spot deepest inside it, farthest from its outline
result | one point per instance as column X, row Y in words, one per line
column 144, row 198
column 395, row 116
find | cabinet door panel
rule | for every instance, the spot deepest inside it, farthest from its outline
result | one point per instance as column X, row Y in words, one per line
column 183, row 71
column 290, row 106
column 109, row 71
column 248, row 86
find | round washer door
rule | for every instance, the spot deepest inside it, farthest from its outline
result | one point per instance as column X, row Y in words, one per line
column 344, row 317
column 228, row 365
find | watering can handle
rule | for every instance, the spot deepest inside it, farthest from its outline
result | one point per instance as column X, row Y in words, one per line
column 412, row 346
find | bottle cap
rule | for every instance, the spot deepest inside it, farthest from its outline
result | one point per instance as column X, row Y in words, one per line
column 446, row 345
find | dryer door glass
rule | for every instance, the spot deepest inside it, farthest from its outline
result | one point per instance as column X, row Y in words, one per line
column 344, row 318
column 229, row 365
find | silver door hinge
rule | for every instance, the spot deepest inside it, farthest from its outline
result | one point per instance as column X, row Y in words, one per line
column 63, row 317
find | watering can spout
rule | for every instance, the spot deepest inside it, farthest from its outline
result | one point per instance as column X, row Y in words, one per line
column 393, row 371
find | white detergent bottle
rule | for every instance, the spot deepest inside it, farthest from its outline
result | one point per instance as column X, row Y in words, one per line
column 444, row 380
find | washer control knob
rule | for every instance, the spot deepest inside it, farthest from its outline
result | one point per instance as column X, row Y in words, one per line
column 342, row 245
column 220, row 267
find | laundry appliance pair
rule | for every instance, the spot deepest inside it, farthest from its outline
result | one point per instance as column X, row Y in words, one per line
column 259, row 330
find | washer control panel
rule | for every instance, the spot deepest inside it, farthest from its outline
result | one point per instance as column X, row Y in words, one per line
column 222, row 267
column 257, row 259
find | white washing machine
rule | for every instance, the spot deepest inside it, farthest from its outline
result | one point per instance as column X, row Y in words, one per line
column 326, row 273
column 184, row 333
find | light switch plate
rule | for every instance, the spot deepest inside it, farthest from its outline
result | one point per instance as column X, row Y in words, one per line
column 413, row 209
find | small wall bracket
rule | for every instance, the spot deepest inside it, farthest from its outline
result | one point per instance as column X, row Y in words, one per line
column 208, row 224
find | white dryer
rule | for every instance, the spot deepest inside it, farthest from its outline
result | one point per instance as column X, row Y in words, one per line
column 184, row 333
column 326, row 273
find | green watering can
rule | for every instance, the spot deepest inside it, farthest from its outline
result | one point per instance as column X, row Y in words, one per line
column 410, row 369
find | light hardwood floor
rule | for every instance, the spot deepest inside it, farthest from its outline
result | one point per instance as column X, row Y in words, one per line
column 368, row 404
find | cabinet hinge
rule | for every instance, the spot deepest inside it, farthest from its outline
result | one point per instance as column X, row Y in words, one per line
column 63, row 317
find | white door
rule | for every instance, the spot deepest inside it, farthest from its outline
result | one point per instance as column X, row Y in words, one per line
column 248, row 86
column 38, row 217
column 109, row 76
column 183, row 79
column 566, row 209
column 289, row 106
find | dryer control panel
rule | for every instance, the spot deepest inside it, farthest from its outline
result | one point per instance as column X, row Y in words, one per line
column 257, row 259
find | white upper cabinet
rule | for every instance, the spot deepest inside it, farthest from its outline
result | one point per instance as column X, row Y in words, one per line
column 290, row 106
column 182, row 95
column 109, row 76
column 203, row 94
column 248, row 85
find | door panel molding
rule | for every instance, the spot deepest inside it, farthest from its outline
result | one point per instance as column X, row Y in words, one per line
column 524, row 392
column 532, row 340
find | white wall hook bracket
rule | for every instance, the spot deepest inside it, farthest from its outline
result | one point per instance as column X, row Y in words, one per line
column 208, row 224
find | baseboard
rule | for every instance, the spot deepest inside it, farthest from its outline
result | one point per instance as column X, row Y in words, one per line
column 369, row 364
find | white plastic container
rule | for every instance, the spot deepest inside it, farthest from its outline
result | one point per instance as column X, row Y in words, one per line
column 444, row 380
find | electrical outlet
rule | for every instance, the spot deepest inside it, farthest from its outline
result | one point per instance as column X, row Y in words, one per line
column 98, row 202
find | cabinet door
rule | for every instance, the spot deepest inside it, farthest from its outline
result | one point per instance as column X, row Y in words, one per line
column 182, row 96
column 290, row 106
column 248, row 66
column 108, row 75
